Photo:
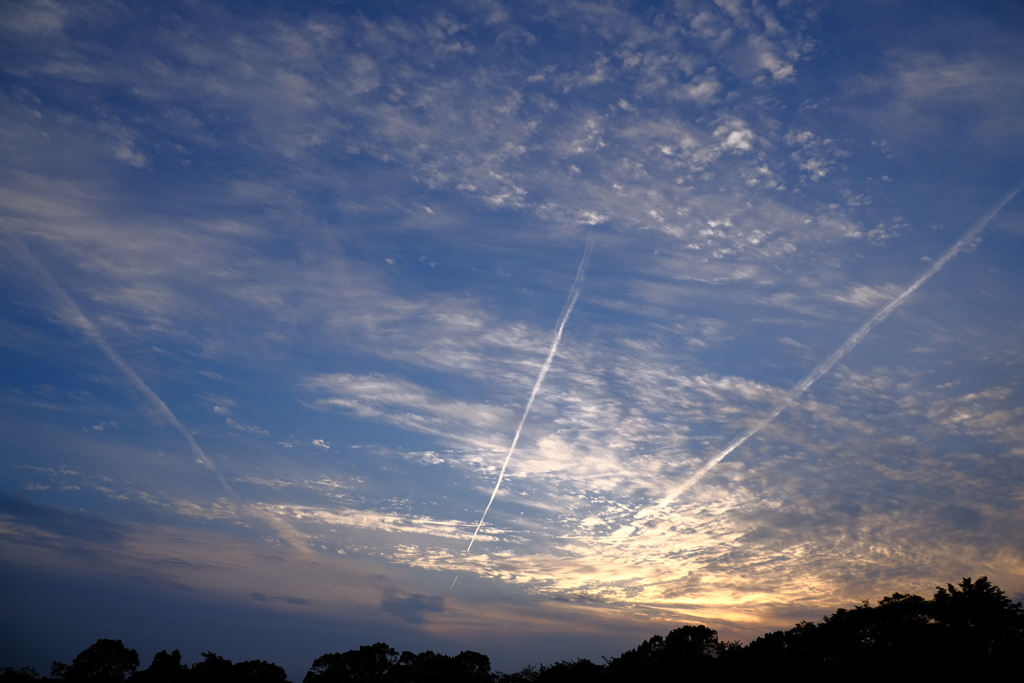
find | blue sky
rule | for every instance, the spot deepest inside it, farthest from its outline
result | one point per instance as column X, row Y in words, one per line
column 278, row 283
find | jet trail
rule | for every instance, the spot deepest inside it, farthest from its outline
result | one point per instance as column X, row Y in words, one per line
column 574, row 294
column 823, row 367
column 74, row 316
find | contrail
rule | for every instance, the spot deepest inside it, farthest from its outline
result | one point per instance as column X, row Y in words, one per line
column 824, row 366
column 574, row 294
column 74, row 316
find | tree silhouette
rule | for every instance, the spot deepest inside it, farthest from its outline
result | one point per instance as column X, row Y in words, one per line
column 213, row 669
column 23, row 675
column 474, row 666
column 166, row 668
column 528, row 674
column 216, row 669
column 970, row 626
column 105, row 661
column 578, row 671
column 368, row 664
column 258, row 671
column 693, row 649
column 977, row 621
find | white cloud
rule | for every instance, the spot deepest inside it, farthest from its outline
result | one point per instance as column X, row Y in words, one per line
column 767, row 58
column 410, row 406
column 735, row 135
column 33, row 16
column 870, row 297
column 250, row 429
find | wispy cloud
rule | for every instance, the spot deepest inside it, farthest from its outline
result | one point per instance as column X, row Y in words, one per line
column 74, row 317
column 570, row 304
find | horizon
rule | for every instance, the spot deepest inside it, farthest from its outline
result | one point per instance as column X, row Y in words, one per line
column 976, row 594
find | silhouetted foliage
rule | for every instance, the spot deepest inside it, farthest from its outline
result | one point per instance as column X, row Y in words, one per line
column 368, row 664
column 578, row 671
column 474, row 666
column 527, row 674
column 216, row 669
column 694, row 649
column 213, row 669
column 166, row 668
column 978, row 622
column 105, row 661
column 468, row 667
column 258, row 671
column 10, row 675
column 971, row 626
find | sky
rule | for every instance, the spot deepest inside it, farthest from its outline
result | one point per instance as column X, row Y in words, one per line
column 726, row 295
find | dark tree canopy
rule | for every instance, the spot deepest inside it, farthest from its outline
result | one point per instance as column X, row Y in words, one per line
column 578, row 671
column 166, row 668
column 105, row 661
column 691, row 648
column 368, row 664
column 381, row 663
column 970, row 626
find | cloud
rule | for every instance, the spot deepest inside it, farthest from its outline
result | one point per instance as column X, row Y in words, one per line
column 54, row 527
column 767, row 58
column 73, row 316
column 415, row 608
column 408, row 405
column 735, row 136
column 33, row 17
column 260, row 597
column 250, row 429
column 320, row 520
column 923, row 92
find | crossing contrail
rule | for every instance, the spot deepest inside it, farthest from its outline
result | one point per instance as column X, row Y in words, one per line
column 74, row 316
column 824, row 366
column 574, row 294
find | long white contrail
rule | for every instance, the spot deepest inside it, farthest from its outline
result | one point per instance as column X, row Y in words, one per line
column 837, row 355
column 574, row 294
column 74, row 316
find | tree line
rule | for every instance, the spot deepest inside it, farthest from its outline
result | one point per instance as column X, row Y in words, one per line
column 972, row 625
